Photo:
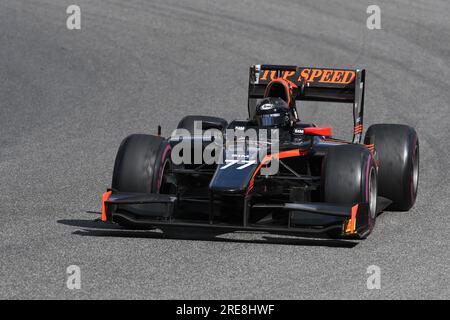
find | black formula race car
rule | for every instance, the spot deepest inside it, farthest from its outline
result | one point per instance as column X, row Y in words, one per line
column 322, row 186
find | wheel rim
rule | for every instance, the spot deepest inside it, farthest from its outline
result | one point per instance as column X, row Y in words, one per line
column 415, row 177
column 373, row 192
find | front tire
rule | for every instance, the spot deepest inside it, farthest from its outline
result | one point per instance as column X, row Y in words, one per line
column 349, row 177
column 140, row 164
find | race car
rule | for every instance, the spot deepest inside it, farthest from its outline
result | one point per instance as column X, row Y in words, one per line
column 322, row 186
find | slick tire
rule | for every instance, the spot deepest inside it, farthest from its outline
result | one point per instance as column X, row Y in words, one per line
column 208, row 122
column 140, row 164
column 197, row 125
column 349, row 176
column 397, row 151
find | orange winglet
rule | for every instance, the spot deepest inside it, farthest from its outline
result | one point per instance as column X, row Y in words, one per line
column 105, row 197
column 350, row 225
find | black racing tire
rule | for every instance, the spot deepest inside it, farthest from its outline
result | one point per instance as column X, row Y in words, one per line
column 349, row 176
column 189, row 122
column 397, row 152
column 208, row 122
column 140, row 164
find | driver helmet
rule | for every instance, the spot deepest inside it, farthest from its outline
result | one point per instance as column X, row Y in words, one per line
column 272, row 113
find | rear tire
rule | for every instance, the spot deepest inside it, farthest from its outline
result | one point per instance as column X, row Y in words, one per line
column 397, row 152
column 192, row 125
column 349, row 177
column 208, row 122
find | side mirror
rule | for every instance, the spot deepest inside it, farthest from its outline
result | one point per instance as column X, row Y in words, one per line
column 315, row 131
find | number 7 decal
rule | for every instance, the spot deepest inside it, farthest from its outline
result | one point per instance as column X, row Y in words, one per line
column 244, row 164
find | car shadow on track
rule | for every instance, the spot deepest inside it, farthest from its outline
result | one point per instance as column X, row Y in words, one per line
column 96, row 228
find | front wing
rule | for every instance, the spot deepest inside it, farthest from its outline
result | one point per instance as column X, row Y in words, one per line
column 160, row 210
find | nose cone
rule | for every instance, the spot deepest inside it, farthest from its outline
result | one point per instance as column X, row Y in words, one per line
column 233, row 176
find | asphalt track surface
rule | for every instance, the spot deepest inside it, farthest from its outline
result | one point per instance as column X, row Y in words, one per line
column 67, row 99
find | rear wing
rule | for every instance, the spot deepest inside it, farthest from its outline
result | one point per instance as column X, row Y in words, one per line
column 314, row 84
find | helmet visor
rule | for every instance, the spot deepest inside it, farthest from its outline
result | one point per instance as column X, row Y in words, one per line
column 270, row 120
